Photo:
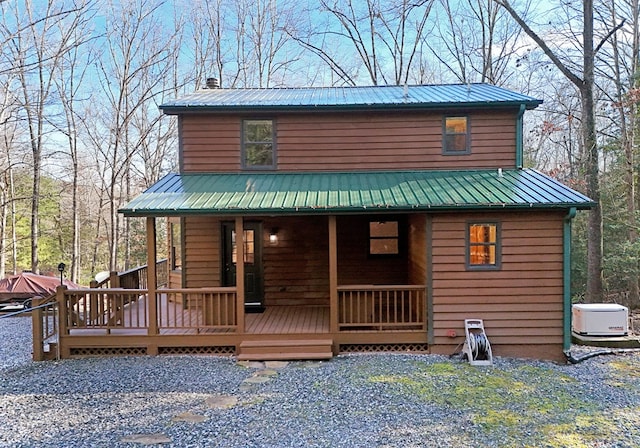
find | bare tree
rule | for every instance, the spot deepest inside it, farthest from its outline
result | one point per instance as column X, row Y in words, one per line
column 619, row 66
column 478, row 41
column 8, row 137
column 206, row 28
column 37, row 46
column 585, row 85
column 384, row 36
column 70, row 79
column 137, row 50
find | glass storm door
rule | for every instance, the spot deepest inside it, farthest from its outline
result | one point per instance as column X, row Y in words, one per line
column 252, row 251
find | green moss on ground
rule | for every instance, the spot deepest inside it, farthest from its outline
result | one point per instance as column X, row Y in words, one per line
column 526, row 406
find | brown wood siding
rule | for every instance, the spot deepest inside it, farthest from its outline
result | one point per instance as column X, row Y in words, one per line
column 522, row 303
column 417, row 239
column 202, row 255
column 296, row 269
column 175, row 279
column 355, row 265
column 210, row 143
column 339, row 142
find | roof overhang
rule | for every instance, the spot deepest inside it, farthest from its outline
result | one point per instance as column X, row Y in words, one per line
column 345, row 99
column 283, row 193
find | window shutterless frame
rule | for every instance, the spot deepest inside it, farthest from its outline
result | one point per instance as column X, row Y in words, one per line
column 387, row 237
column 456, row 135
column 258, row 144
column 483, row 246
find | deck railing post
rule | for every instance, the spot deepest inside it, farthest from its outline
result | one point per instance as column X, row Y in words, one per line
column 333, row 275
column 63, row 312
column 239, row 226
column 152, row 301
column 93, row 302
column 114, row 279
column 36, row 322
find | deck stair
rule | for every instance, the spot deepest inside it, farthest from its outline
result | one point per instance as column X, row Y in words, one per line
column 281, row 350
column 52, row 353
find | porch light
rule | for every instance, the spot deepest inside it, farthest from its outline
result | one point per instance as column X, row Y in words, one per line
column 61, row 267
column 273, row 236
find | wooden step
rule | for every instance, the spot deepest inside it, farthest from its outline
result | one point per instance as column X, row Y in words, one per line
column 280, row 350
column 52, row 353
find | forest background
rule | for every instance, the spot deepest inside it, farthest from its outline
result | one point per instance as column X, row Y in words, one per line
column 81, row 80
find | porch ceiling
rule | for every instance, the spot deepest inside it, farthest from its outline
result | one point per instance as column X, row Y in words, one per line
column 278, row 193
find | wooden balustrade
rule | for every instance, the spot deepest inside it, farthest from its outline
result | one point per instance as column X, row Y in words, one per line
column 364, row 308
column 381, row 307
column 135, row 278
column 126, row 309
column 44, row 319
column 105, row 309
column 202, row 309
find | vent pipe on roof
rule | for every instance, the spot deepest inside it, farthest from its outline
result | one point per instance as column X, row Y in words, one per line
column 213, row 83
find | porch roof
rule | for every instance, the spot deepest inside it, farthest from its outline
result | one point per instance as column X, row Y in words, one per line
column 280, row 193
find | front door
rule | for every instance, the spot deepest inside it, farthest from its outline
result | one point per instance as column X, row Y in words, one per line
column 253, row 284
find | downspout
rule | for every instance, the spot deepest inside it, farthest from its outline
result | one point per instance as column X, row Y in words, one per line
column 566, row 278
column 519, row 138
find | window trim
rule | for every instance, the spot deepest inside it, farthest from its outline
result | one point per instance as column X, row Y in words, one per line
column 498, row 246
column 453, row 152
column 243, row 143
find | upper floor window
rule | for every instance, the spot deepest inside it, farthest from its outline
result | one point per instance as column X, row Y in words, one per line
column 483, row 246
column 258, row 144
column 456, row 137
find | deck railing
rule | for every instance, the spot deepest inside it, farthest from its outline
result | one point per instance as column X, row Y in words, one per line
column 103, row 309
column 201, row 309
column 381, row 307
column 44, row 319
column 182, row 310
column 135, row 278
column 365, row 308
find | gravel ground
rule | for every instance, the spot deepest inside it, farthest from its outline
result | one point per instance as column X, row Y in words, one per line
column 350, row 401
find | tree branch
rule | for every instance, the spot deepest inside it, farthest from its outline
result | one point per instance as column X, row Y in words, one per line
column 575, row 79
column 606, row 38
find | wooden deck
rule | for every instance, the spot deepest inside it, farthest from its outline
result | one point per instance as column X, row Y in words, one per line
column 289, row 320
column 175, row 319
column 116, row 321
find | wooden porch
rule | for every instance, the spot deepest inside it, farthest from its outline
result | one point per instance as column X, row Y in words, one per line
column 135, row 313
column 176, row 319
column 118, row 321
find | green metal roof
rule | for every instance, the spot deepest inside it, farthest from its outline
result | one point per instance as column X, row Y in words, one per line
column 355, row 192
column 349, row 98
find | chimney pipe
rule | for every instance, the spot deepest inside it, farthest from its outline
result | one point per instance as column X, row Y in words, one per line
column 213, row 83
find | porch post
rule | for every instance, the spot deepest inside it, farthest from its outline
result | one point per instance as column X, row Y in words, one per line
column 152, row 301
column 333, row 275
column 36, row 325
column 240, row 273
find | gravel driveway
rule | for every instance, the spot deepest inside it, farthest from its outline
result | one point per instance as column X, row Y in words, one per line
column 350, row 401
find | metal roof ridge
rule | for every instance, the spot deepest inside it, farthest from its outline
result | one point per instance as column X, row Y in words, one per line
column 371, row 86
column 374, row 171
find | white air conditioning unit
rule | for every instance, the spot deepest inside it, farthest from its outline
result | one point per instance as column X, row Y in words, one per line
column 600, row 319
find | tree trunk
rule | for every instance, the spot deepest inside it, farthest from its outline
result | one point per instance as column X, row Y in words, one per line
column 594, row 291
column 3, row 228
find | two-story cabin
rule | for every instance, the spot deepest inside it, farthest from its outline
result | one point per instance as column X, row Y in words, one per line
column 359, row 218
